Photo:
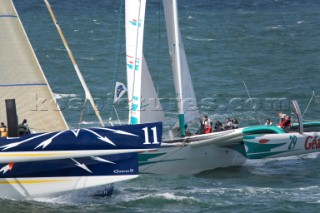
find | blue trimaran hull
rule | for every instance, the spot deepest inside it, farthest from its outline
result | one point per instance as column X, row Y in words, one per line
column 73, row 158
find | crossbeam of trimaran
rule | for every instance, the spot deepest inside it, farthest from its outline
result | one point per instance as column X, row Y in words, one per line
column 83, row 83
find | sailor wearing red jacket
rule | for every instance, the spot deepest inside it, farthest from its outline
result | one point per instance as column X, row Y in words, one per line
column 285, row 121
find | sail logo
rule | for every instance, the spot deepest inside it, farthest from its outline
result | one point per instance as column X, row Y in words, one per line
column 134, row 120
column 120, row 89
column 131, row 64
column 312, row 143
column 135, row 98
column 293, row 142
column 135, row 107
column 135, row 22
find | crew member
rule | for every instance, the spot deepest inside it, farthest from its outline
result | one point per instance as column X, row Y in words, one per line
column 207, row 124
column 3, row 130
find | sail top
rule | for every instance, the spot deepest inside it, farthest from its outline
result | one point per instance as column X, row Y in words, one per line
column 22, row 77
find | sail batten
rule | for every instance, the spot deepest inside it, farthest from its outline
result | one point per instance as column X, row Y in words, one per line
column 22, row 77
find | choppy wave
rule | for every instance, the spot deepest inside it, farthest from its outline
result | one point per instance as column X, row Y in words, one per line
column 168, row 196
column 278, row 27
column 200, row 39
column 88, row 58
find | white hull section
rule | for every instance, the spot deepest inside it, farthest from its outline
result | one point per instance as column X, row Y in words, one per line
column 22, row 188
column 193, row 157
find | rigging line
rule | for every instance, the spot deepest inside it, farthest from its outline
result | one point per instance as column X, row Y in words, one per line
column 314, row 94
column 159, row 44
column 82, row 111
column 308, row 104
column 83, row 83
column 251, row 100
column 118, row 51
column 117, row 115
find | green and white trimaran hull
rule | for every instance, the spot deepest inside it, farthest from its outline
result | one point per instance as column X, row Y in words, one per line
column 176, row 157
column 193, row 154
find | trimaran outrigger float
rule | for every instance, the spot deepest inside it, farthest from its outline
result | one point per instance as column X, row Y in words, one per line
column 55, row 159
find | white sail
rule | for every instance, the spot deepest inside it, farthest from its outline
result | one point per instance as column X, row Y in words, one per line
column 151, row 109
column 188, row 97
column 22, row 78
column 135, row 14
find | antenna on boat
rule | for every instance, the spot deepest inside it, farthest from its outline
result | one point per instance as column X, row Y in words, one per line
column 83, row 83
column 312, row 96
column 251, row 99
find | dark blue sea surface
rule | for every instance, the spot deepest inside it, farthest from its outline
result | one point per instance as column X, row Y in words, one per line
column 270, row 47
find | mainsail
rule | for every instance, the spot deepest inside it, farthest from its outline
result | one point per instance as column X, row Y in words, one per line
column 135, row 14
column 185, row 91
column 144, row 105
column 22, row 78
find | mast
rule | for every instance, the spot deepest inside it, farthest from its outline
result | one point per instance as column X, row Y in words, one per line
column 178, row 66
column 83, row 83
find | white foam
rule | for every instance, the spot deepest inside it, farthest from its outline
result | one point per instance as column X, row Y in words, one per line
column 59, row 96
column 259, row 162
column 88, row 58
column 200, row 39
column 301, row 22
column 56, row 200
column 311, row 155
column 89, row 122
column 171, row 196
column 96, row 21
column 275, row 27
column 308, row 188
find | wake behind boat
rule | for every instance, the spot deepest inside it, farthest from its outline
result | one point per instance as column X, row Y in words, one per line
column 50, row 158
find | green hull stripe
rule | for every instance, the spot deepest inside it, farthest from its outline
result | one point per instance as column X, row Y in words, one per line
column 146, row 157
column 181, row 124
column 266, row 155
column 262, row 130
column 257, row 147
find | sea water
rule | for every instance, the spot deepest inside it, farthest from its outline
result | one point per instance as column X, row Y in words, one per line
column 248, row 59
